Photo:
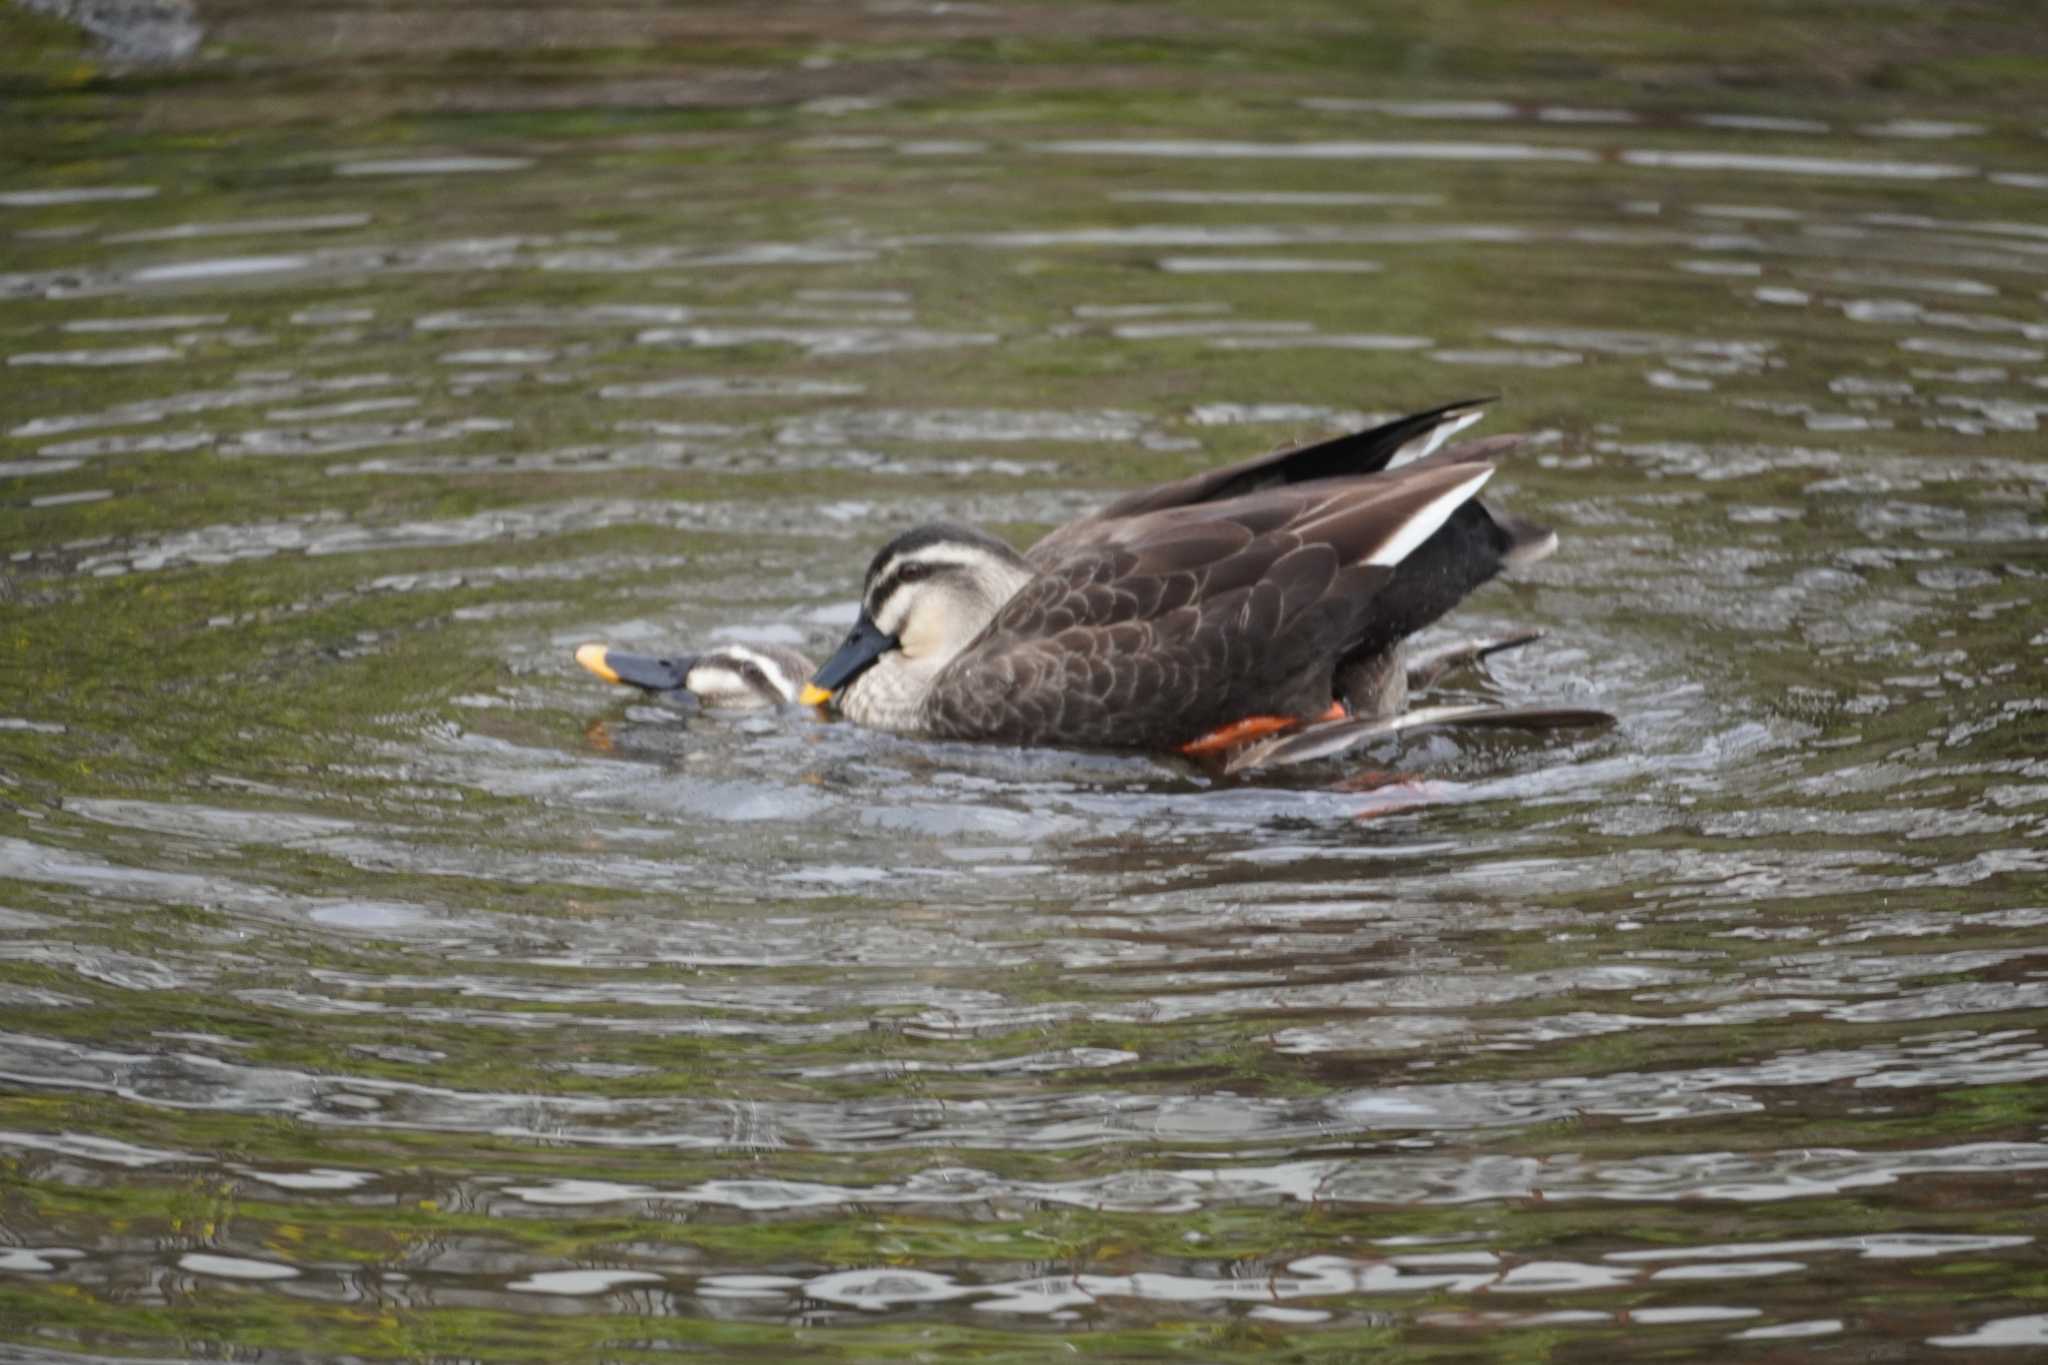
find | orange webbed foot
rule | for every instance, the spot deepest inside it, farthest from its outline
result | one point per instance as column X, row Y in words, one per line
column 1244, row 731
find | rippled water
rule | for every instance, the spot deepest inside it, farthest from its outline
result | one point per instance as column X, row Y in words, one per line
column 376, row 984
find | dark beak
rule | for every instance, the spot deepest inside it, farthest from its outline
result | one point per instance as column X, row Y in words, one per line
column 636, row 670
column 863, row 646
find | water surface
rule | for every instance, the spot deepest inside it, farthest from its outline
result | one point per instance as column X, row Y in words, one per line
column 376, row 984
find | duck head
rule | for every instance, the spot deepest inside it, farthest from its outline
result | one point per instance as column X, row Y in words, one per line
column 928, row 594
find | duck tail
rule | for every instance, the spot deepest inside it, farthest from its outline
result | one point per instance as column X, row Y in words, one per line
column 1527, row 542
column 1520, row 541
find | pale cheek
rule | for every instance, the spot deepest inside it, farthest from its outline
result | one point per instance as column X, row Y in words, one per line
column 891, row 622
column 920, row 635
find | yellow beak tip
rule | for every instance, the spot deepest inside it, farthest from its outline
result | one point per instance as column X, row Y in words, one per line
column 813, row 695
column 592, row 657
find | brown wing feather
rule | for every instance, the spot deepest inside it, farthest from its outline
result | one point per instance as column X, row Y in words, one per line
column 1349, row 456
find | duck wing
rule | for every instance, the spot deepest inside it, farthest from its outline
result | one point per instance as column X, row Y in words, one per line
column 1195, row 617
column 1357, row 453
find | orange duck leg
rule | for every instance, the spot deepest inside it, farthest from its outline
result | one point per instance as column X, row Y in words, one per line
column 1226, row 737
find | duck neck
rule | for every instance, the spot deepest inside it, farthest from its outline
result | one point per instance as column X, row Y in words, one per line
column 890, row 694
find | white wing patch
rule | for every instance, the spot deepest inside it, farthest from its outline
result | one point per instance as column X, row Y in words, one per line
column 1424, row 521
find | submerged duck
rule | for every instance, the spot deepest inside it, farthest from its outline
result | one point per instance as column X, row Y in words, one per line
column 731, row 677
column 1256, row 611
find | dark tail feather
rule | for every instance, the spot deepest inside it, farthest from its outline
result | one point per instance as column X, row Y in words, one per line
column 1339, row 736
column 1521, row 541
column 1527, row 542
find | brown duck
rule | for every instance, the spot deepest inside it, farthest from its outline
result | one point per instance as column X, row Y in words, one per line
column 1256, row 611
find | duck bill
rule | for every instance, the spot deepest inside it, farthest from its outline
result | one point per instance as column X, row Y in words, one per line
column 636, row 670
column 864, row 644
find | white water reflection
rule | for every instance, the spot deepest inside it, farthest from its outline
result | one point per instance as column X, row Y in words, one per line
column 242, row 227
column 1266, row 265
column 2029, row 1330
column 183, row 404
column 1234, row 234
column 1630, row 343
column 219, row 268
column 1347, row 341
column 1761, row 123
column 162, row 322
column 101, row 356
column 1811, row 1327
column 963, row 425
column 1281, row 198
column 82, row 194
column 1482, row 110
column 434, row 165
column 1233, row 414
column 818, row 341
column 36, row 1260
column 580, row 1282
column 1192, row 148
column 234, row 1267
column 1529, row 358
column 1776, row 164
column 735, row 386
column 533, row 315
column 1881, row 1246
column 1899, row 279
column 1923, row 128
column 1974, row 350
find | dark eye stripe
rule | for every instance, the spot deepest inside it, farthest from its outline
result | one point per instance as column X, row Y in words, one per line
column 916, row 571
